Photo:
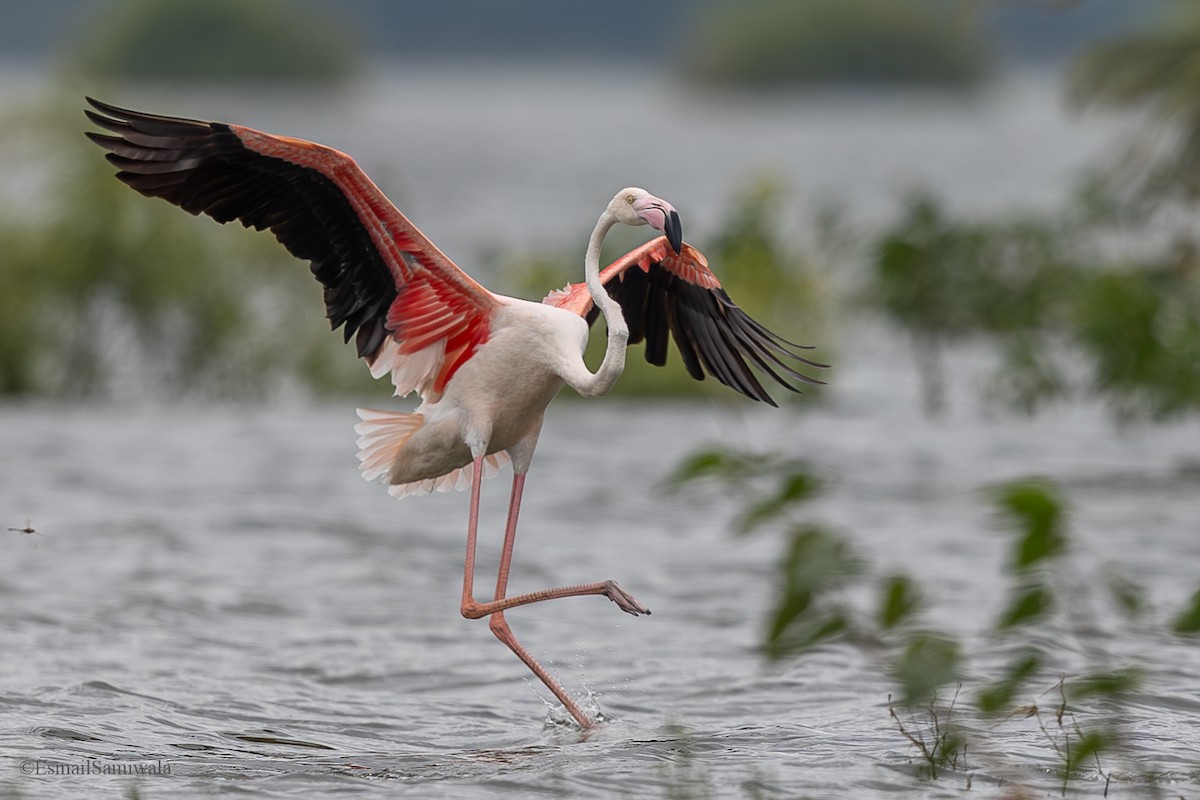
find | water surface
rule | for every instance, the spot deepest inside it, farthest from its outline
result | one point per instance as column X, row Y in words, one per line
column 216, row 589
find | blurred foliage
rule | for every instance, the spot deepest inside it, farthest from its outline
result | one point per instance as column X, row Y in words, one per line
column 817, row 561
column 1034, row 512
column 111, row 292
column 901, row 599
column 1069, row 308
column 1158, row 70
column 1128, row 597
column 1108, row 683
column 1142, row 331
column 769, row 483
column 942, row 281
column 1188, row 621
column 731, row 467
column 1101, row 299
column 766, row 276
column 816, row 564
column 776, row 42
column 1034, row 509
column 1000, row 696
column 773, row 282
column 1044, row 639
column 1053, row 296
column 216, row 40
column 925, row 662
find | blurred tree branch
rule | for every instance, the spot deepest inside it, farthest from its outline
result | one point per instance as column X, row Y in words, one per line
column 1158, row 71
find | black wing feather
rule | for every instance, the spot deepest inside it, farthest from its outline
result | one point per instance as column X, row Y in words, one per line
column 712, row 334
column 205, row 168
column 654, row 321
column 685, row 343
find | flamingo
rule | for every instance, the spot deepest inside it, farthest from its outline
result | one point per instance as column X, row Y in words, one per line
column 485, row 366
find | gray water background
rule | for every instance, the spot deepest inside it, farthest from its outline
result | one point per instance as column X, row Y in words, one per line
column 214, row 588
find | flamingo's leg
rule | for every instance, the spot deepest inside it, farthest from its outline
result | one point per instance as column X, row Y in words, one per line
column 497, row 624
column 474, row 610
column 468, row 592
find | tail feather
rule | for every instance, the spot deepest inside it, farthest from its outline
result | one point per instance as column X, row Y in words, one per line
column 381, row 434
column 453, row 481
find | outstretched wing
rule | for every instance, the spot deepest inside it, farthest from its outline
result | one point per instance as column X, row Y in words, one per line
column 413, row 313
column 665, row 295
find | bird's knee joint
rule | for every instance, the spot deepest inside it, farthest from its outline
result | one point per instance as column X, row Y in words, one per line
column 471, row 610
column 498, row 624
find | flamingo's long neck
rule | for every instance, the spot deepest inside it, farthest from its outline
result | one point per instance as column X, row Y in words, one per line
column 618, row 331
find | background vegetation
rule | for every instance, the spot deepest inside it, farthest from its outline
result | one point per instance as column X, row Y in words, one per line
column 216, row 40
column 1068, row 303
column 776, row 42
column 107, row 293
column 1101, row 299
column 1096, row 300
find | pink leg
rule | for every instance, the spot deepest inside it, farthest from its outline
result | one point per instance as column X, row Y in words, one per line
column 499, row 626
column 474, row 610
column 468, row 595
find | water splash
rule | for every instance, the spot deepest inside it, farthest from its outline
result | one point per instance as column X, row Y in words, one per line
column 588, row 700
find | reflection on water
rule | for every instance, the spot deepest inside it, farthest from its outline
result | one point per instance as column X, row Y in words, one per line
column 218, row 590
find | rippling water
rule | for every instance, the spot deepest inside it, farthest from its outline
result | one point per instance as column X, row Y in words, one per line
column 216, row 593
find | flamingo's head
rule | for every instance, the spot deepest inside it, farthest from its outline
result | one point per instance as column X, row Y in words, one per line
column 634, row 206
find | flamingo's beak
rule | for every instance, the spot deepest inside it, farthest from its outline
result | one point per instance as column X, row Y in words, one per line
column 662, row 216
column 673, row 230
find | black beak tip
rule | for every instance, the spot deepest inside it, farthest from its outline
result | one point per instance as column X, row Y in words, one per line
column 674, row 231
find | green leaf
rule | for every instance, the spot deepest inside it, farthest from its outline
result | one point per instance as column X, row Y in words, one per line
column 736, row 469
column 1189, row 621
column 793, row 604
column 900, row 600
column 998, row 697
column 696, row 466
column 818, row 560
column 1083, row 751
column 1105, row 684
column 794, row 488
column 816, row 565
column 1035, row 509
column 1129, row 596
column 716, row 463
column 806, row 630
column 1028, row 605
column 929, row 662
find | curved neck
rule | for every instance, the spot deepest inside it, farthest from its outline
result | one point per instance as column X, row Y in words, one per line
column 613, row 364
column 611, row 310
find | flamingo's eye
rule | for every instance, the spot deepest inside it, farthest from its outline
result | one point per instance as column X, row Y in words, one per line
column 629, row 199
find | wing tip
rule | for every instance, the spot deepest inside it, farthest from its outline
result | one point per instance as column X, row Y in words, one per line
column 108, row 112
